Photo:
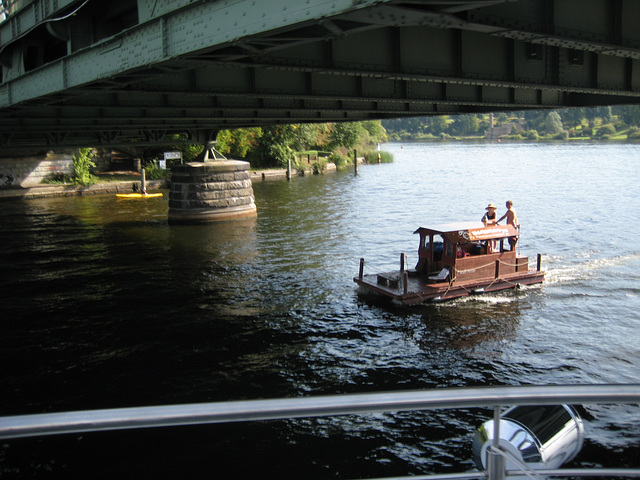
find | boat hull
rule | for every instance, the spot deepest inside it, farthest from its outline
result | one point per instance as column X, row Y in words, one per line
column 418, row 290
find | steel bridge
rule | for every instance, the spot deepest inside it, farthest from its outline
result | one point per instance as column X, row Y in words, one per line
column 113, row 73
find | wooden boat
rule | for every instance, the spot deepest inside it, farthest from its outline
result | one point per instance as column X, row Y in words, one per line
column 138, row 195
column 455, row 260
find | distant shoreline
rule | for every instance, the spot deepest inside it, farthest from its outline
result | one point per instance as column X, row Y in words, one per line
column 45, row 190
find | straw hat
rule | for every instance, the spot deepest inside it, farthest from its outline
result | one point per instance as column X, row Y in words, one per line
column 491, row 205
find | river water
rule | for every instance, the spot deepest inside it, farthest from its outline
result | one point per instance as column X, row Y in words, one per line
column 106, row 305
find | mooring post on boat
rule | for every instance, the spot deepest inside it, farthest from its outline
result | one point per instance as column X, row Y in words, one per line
column 539, row 262
column 361, row 273
column 402, row 262
column 497, row 268
column 405, row 282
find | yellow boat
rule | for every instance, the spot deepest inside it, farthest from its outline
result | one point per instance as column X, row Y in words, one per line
column 138, row 195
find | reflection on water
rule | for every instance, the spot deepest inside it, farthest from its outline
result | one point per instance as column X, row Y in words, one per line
column 106, row 305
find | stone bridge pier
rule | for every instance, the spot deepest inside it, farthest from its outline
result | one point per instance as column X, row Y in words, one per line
column 211, row 189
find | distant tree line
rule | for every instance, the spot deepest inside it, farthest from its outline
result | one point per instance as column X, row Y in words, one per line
column 621, row 121
column 275, row 146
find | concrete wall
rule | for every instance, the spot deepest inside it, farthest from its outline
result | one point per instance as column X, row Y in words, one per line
column 30, row 171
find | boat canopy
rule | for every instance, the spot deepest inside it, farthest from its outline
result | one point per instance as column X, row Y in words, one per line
column 470, row 231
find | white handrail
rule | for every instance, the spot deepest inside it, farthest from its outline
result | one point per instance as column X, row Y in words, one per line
column 277, row 409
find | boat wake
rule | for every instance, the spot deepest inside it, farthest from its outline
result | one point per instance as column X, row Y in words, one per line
column 563, row 270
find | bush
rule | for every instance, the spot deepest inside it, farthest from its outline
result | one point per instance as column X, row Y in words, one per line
column 82, row 165
column 319, row 166
column 531, row 135
column 153, row 172
column 634, row 133
column 372, row 157
column 341, row 160
column 563, row 135
column 607, row 129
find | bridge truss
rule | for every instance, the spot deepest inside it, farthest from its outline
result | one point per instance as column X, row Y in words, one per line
column 103, row 73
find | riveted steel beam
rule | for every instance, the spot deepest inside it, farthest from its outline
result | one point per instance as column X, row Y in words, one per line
column 180, row 66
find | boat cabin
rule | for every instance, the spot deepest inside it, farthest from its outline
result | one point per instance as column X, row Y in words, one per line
column 456, row 260
column 465, row 251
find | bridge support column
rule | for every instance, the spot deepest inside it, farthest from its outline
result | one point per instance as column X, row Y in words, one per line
column 213, row 190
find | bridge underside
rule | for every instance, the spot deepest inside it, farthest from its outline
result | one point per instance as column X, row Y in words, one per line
column 194, row 69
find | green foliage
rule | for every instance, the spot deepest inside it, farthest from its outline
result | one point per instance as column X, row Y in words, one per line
column 562, row 135
column 153, row 172
column 438, row 125
column 606, row 130
column 633, row 133
column 372, row 157
column 576, row 122
column 465, row 125
column 553, row 123
column 376, row 133
column 82, row 165
column 340, row 160
column 277, row 144
column 237, row 143
column 345, row 135
column 189, row 153
column 319, row 165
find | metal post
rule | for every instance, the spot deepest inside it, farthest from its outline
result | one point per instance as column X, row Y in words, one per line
column 288, row 169
column 497, row 268
column 405, row 282
column 361, row 273
column 402, row 262
column 539, row 261
column 496, row 463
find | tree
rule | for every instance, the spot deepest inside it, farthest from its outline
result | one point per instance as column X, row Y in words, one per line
column 605, row 114
column 438, row 125
column 553, row 123
column 345, row 134
column 465, row 125
column 629, row 114
column 377, row 133
column 238, row 142
column 572, row 116
column 82, row 165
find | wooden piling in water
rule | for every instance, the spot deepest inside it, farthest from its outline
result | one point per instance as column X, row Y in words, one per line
column 355, row 161
column 143, row 181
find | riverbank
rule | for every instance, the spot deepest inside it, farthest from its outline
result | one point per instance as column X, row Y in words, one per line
column 110, row 184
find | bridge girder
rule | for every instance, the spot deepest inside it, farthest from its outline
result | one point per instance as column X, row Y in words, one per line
column 191, row 68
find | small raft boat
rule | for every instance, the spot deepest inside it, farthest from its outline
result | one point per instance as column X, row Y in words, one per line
column 138, row 195
column 455, row 260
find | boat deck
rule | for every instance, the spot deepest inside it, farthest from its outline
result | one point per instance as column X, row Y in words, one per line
column 420, row 289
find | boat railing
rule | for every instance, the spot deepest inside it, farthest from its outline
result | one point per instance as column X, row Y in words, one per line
column 352, row 404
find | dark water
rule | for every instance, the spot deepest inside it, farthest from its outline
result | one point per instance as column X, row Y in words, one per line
column 105, row 305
